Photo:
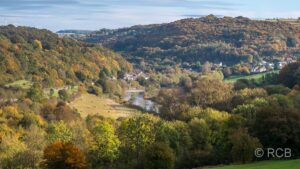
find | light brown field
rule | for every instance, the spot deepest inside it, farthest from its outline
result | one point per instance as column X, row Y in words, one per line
column 88, row 104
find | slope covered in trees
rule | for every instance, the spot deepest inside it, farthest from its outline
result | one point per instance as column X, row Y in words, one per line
column 228, row 40
column 41, row 56
column 201, row 123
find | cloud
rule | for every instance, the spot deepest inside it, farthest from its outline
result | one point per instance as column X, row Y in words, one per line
column 96, row 14
column 33, row 4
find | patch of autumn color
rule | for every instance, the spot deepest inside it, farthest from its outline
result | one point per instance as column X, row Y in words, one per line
column 11, row 112
column 38, row 44
column 64, row 155
column 4, row 43
column 11, row 64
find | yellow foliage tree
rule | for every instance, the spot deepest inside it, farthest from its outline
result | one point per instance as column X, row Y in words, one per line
column 38, row 44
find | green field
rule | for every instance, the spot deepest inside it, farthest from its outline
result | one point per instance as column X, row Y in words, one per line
column 291, row 164
column 233, row 79
column 23, row 84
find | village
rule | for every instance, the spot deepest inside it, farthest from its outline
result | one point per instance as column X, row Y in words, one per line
column 265, row 66
column 262, row 66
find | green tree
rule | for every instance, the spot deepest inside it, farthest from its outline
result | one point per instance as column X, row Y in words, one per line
column 59, row 131
column 176, row 135
column 290, row 75
column 35, row 93
column 200, row 133
column 277, row 125
column 63, row 94
column 136, row 135
column 105, row 149
column 159, row 156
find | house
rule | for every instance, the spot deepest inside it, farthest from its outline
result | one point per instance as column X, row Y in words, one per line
column 280, row 65
column 135, row 75
column 258, row 69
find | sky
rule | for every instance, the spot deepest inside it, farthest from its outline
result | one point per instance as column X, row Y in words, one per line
column 97, row 14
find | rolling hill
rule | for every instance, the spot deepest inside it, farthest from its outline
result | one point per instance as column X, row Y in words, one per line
column 197, row 40
column 42, row 56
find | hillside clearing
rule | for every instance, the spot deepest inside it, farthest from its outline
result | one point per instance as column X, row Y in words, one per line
column 291, row 164
column 88, row 104
column 22, row 84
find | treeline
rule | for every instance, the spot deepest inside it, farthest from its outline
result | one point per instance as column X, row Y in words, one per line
column 228, row 40
column 41, row 56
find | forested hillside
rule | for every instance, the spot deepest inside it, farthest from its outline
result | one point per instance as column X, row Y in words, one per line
column 41, row 56
column 188, row 41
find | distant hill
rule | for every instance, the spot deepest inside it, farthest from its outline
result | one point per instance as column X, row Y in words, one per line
column 71, row 31
column 76, row 32
column 41, row 56
column 197, row 40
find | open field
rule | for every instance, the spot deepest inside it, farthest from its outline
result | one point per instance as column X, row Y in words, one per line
column 233, row 79
column 290, row 164
column 89, row 104
column 23, row 84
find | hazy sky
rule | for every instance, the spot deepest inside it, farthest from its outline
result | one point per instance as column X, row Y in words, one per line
column 96, row 14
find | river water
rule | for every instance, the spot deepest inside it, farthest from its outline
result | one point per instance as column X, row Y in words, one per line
column 137, row 98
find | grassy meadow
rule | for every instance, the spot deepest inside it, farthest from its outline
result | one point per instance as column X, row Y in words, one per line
column 88, row 104
column 290, row 164
column 233, row 79
column 23, row 84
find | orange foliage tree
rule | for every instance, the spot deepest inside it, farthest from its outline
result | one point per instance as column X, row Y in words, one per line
column 63, row 156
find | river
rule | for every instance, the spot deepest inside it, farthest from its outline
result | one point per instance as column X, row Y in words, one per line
column 137, row 98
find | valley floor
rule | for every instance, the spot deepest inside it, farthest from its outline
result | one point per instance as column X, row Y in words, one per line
column 88, row 104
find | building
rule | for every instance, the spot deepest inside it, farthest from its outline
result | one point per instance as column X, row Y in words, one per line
column 135, row 75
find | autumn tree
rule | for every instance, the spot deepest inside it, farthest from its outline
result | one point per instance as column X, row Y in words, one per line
column 244, row 146
column 173, row 103
column 38, row 44
column 209, row 92
column 10, row 147
column 63, row 156
column 35, row 140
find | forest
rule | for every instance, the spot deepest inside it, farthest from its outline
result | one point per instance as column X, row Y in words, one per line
column 41, row 56
column 194, row 41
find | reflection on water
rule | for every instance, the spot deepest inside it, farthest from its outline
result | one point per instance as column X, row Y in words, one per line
column 136, row 98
